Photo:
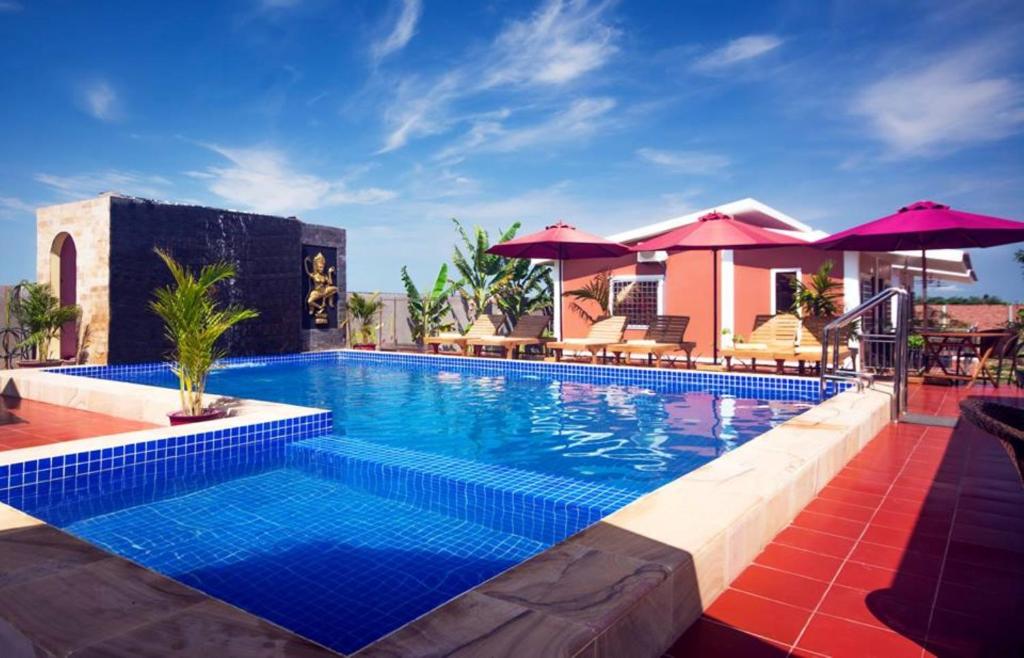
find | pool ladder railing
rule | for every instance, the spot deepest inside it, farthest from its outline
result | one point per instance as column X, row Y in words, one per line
column 893, row 338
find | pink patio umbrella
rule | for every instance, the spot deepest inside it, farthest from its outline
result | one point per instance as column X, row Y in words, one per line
column 926, row 225
column 717, row 231
column 559, row 242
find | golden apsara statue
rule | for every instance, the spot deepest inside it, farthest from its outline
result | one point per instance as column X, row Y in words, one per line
column 322, row 290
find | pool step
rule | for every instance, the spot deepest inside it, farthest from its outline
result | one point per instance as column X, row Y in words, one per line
column 534, row 505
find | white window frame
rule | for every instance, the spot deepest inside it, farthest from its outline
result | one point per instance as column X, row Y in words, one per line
column 630, row 278
column 771, row 284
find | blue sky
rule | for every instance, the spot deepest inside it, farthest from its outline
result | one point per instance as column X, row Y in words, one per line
column 388, row 118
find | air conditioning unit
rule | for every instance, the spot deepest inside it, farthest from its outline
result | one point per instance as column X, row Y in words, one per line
column 651, row 256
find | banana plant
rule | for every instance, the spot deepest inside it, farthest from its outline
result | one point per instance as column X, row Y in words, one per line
column 429, row 312
column 480, row 274
column 526, row 288
column 193, row 323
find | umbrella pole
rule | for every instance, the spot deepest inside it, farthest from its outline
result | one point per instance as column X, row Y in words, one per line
column 714, row 308
column 924, row 288
column 561, row 313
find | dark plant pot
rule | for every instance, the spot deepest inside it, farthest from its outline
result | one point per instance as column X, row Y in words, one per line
column 34, row 363
column 182, row 418
column 1020, row 377
column 365, row 346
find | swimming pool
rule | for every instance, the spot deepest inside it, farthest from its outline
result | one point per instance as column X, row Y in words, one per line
column 631, row 435
column 439, row 474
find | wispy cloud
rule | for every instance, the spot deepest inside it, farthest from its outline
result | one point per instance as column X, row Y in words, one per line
column 279, row 4
column 264, row 180
column 13, row 207
column 736, row 51
column 956, row 101
column 561, row 41
column 557, row 44
column 90, row 184
column 686, row 162
column 99, row 99
column 10, row 7
column 402, row 31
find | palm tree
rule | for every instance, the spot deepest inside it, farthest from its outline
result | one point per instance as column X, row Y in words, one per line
column 429, row 312
column 193, row 323
column 39, row 312
column 480, row 273
column 596, row 291
column 820, row 298
column 363, row 310
column 526, row 288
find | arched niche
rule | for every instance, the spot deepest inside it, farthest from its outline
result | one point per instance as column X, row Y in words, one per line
column 64, row 284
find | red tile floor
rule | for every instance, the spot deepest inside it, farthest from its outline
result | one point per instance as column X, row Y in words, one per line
column 915, row 549
column 25, row 423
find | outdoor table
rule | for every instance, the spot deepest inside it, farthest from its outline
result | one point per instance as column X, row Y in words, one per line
column 960, row 345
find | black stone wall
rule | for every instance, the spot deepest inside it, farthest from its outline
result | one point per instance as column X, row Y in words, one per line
column 265, row 250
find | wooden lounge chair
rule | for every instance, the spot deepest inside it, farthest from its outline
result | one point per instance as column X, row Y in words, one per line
column 772, row 334
column 664, row 335
column 602, row 334
column 526, row 332
column 485, row 325
column 808, row 347
column 781, row 338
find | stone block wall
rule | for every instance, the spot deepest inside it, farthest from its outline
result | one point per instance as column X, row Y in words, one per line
column 88, row 224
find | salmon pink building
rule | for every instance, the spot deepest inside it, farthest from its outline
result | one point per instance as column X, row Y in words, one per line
column 751, row 283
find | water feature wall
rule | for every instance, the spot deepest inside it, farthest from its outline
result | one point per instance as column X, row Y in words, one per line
column 266, row 251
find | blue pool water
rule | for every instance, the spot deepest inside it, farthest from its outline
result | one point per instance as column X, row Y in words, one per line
column 631, row 437
column 438, row 476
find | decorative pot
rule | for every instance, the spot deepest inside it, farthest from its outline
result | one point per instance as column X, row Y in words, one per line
column 365, row 346
column 35, row 363
column 182, row 418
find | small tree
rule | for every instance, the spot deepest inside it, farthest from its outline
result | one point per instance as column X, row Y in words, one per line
column 363, row 310
column 596, row 291
column 480, row 273
column 194, row 323
column 41, row 315
column 525, row 289
column 429, row 312
column 820, row 298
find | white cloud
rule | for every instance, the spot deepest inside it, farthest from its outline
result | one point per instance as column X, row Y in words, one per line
column 13, row 207
column 954, row 102
column 686, row 162
column 581, row 119
column 401, row 33
column 90, row 184
column 561, row 41
column 556, row 45
column 737, row 50
column 262, row 179
column 99, row 99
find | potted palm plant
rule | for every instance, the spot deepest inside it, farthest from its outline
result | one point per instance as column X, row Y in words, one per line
column 40, row 314
column 361, row 320
column 193, row 323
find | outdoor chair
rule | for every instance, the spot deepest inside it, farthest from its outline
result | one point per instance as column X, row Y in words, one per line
column 998, row 348
column 602, row 334
column 664, row 335
column 780, row 338
column 527, row 331
column 485, row 325
column 1002, row 421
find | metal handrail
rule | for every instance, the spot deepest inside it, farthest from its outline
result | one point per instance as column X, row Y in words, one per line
column 832, row 370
